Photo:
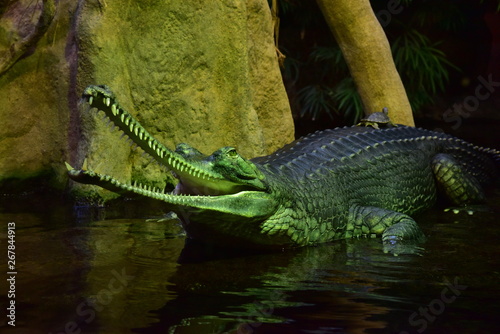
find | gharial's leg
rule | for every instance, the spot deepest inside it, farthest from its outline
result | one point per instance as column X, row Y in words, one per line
column 400, row 233
column 460, row 187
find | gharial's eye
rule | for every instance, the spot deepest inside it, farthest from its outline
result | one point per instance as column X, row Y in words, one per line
column 232, row 153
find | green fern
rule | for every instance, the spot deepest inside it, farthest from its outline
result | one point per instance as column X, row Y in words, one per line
column 316, row 100
column 446, row 15
column 348, row 100
column 422, row 66
column 331, row 55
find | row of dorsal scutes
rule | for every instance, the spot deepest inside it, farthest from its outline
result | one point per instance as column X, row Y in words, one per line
column 344, row 149
column 142, row 138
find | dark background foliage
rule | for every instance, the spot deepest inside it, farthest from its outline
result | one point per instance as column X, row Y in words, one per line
column 439, row 48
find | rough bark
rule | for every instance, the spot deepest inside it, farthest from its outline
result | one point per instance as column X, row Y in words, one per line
column 368, row 55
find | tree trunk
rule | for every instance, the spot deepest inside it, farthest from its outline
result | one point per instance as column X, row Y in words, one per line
column 368, row 55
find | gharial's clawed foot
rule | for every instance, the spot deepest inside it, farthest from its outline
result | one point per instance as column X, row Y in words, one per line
column 166, row 218
column 403, row 238
column 400, row 248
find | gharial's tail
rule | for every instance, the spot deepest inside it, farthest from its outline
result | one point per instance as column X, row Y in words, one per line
column 494, row 154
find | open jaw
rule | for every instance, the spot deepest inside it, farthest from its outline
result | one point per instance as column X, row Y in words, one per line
column 223, row 182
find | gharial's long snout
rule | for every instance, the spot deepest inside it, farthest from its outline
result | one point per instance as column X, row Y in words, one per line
column 223, row 181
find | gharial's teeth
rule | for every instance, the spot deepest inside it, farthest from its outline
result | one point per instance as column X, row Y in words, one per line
column 122, row 117
column 108, row 101
column 113, row 109
column 91, row 99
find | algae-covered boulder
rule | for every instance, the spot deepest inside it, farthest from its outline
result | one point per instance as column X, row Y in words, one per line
column 201, row 72
column 33, row 96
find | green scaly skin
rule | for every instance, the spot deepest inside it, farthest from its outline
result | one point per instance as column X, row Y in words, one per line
column 334, row 184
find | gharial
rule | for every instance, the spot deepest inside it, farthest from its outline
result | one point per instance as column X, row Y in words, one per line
column 333, row 184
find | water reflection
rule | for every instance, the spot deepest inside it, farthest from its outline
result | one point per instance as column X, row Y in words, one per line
column 138, row 276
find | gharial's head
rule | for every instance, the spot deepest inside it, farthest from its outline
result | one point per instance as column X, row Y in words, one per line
column 221, row 173
column 218, row 197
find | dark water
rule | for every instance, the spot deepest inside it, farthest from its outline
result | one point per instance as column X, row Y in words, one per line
column 79, row 275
